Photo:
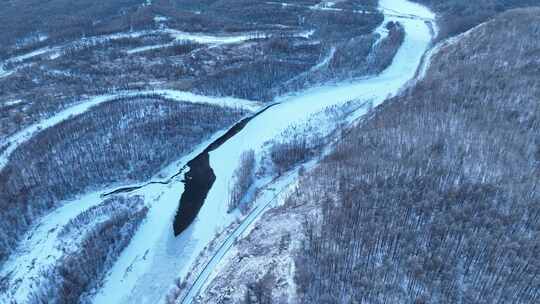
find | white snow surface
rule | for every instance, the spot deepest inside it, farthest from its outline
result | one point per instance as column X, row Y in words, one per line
column 22, row 136
column 169, row 257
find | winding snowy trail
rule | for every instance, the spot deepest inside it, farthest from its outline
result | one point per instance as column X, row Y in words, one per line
column 22, row 136
column 134, row 280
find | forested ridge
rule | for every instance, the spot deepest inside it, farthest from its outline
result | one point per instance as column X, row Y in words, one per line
column 434, row 198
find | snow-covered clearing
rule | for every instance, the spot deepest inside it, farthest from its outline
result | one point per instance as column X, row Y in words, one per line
column 197, row 38
column 147, row 282
column 22, row 136
column 12, row 102
column 324, row 5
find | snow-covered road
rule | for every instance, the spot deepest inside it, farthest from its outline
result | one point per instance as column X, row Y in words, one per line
column 169, row 257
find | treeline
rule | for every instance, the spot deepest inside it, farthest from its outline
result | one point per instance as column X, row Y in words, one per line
column 92, row 242
column 458, row 16
column 122, row 141
column 434, row 198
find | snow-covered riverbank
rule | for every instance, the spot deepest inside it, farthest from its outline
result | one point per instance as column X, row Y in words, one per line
column 39, row 249
column 169, row 257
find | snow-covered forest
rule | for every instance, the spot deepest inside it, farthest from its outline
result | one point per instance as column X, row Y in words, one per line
column 249, row 151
